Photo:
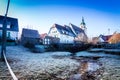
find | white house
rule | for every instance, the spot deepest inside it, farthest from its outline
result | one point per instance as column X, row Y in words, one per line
column 64, row 33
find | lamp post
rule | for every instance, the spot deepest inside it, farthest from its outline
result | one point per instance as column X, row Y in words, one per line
column 4, row 31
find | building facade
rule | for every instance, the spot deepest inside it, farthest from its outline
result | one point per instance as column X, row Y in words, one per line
column 12, row 28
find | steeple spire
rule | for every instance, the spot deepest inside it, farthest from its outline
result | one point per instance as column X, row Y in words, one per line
column 83, row 22
column 83, row 25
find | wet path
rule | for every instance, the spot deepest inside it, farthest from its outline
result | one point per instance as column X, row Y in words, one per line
column 89, row 70
column 97, row 66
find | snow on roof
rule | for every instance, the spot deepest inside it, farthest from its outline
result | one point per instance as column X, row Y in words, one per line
column 76, row 29
column 66, row 30
column 106, row 37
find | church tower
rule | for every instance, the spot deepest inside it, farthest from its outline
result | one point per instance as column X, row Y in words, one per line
column 83, row 25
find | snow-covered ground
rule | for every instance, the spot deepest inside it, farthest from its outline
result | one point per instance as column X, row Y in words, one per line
column 59, row 65
column 24, row 63
column 111, row 68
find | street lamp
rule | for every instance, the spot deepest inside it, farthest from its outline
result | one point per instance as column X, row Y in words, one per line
column 4, row 31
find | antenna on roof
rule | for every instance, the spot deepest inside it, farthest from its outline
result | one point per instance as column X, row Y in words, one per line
column 108, row 31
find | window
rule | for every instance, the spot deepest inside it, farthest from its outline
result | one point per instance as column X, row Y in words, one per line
column 8, row 26
column 57, row 36
column 54, row 32
column 66, row 32
column 11, row 26
column 1, row 25
column 8, row 34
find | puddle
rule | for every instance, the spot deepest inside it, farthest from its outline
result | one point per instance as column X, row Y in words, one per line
column 87, row 66
column 87, row 69
column 90, row 54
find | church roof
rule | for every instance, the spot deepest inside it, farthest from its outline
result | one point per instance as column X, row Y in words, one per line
column 76, row 29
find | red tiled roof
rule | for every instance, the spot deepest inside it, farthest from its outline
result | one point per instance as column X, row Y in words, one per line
column 42, row 36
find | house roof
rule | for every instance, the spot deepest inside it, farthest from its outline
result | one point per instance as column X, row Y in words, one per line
column 105, row 37
column 69, row 30
column 13, row 22
column 76, row 29
column 29, row 33
column 66, row 30
column 42, row 36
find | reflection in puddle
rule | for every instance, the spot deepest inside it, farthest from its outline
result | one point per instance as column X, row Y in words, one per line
column 86, row 68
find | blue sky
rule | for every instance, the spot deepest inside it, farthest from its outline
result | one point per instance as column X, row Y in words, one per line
column 99, row 15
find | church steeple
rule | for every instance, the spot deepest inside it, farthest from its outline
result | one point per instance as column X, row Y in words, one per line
column 83, row 22
column 83, row 25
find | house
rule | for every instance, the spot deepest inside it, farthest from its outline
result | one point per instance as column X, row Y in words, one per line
column 101, row 39
column 95, row 40
column 67, row 34
column 29, row 36
column 12, row 28
column 104, row 38
column 42, row 37
column 50, row 40
column 115, row 38
column 62, row 32
column 47, row 40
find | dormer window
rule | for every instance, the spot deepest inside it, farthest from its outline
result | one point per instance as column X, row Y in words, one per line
column 66, row 32
column 63, row 31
